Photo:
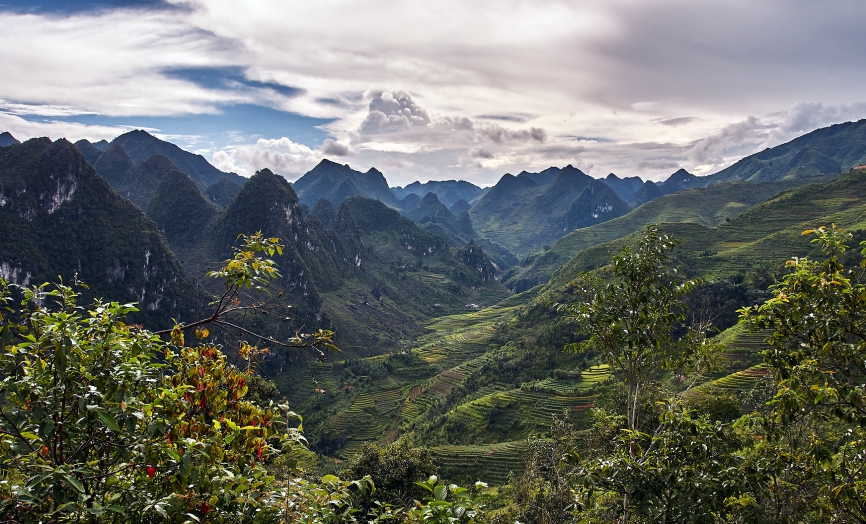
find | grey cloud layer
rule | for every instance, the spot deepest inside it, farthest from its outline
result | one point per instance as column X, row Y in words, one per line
column 665, row 82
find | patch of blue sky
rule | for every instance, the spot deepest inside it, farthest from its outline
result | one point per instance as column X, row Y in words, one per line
column 225, row 77
column 75, row 6
column 242, row 123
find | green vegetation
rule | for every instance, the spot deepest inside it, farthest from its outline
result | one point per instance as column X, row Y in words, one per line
column 522, row 215
column 60, row 218
column 443, row 375
column 104, row 422
column 709, row 207
column 753, row 242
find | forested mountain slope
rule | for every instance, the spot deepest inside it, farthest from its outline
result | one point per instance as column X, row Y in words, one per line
column 58, row 217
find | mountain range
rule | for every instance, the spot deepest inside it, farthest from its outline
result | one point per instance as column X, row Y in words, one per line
column 58, row 217
column 449, row 192
column 446, row 335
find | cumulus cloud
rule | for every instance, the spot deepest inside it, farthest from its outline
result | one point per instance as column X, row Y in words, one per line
column 392, row 111
column 224, row 161
column 499, row 134
column 803, row 117
column 280, row 155
column 333, row 148
column 731, row 139
column 482, row 153
column 534, row 75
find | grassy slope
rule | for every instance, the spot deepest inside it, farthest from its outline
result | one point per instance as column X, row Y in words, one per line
column 708, row 206
column 760, row 238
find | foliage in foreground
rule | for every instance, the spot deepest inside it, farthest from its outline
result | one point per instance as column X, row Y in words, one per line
column 799, row 458
column 104, row 422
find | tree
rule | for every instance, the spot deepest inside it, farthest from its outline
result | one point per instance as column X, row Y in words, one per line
column 632, row 311
column 394, row 469
column 814, row 438
column 104, row 422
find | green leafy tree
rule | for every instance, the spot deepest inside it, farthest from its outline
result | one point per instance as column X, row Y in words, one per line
column 105, row 422
column 813, row 441
column 684, row 472
column 544, row 493
column 632, row 311
column 395, row 469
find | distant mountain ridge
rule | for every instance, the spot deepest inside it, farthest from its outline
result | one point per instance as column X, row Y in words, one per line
column 336, row 182
column 141, row 145
column 829, row 150
column 525, row 212
column 449, row 192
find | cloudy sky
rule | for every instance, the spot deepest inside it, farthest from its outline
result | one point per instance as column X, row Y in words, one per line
column 437, row 90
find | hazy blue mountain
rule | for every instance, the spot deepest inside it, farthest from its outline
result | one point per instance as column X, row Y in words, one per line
column 625, row 188
column 336, row 182
column 522, row 215
column 448, row 191
column 544, row 177
column 409, row 202
column 828, row 150
column 459, row 207
column 648, row 191
column 430, row 206
column 678, row 181
column 58, row 217
column 141, row 145
column 6, row 139
column 595, row 204
column 102, row 145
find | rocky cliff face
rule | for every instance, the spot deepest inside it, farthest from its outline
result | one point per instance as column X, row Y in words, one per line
column 59, row 218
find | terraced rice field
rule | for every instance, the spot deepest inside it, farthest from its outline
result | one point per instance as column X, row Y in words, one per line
column 360, row 422
column 497, row 461
column 450, row 353
column 745, row 348
column 532, row 410
column 741, row 380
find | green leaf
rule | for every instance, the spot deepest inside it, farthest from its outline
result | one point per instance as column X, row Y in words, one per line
column 72, row 481
column 108, row 420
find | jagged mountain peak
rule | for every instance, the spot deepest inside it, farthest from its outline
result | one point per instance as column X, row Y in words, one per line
column 222, row 191
column 179, row 207
column 67, row 221
column 336, row 182
column 90, row 152
column 430, row 198
column 141, row 145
